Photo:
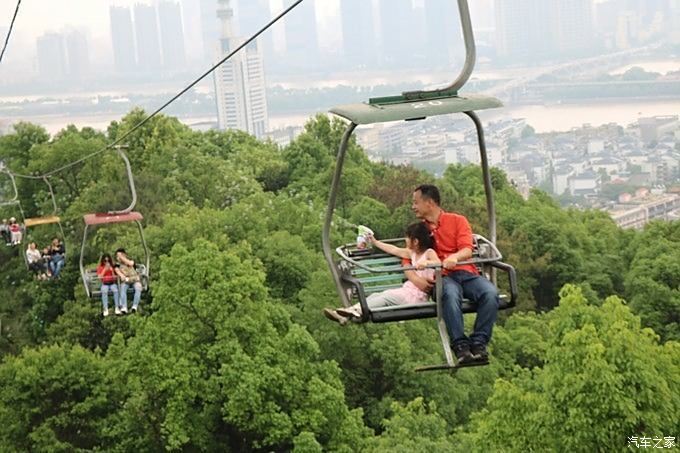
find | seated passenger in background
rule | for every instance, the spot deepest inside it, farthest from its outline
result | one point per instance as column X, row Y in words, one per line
column 57, row 257
column 419, row 250
column 35, row 261
column 46, row 258
column 15, row 231
column 109, row 279
column 5, row 233
column 126, row 270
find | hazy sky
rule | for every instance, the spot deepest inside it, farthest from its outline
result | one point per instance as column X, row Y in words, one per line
column 38, row 16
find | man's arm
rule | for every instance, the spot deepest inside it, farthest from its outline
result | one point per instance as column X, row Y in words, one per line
column 453, row 259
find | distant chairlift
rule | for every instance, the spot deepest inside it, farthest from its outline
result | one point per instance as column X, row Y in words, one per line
column 359, row 272
column 90, row 278
column 14, row 201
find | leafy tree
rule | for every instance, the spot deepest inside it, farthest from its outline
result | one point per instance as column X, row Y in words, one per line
column 593, row 390
column 54, row 399
column 416, row 427
column 217, row 357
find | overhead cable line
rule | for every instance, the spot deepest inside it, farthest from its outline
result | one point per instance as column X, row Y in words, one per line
column 173, row 99
column 9, row 32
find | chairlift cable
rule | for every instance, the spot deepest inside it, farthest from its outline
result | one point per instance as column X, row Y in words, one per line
column 9, row 32
column 173, row 99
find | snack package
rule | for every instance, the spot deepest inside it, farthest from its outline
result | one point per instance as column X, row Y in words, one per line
column 362, row 236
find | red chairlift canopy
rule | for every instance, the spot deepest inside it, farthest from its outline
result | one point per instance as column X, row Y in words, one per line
column 105, row 217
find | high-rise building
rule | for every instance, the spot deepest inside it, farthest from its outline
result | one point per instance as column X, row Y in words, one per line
column 527, row 30
column 210, row 28
column 193, row 34
column 572, row 24
column 302, row 40
column 122, row 37
column 146, row 34
column 239, row 82
column 442, row 29
column 51, row 56
column 172, row 35
column 359, row 39
column 395, row 24
column 77, row 54
column 522, row 29
column 253, row 15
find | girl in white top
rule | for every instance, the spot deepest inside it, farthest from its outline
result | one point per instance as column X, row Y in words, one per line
column 419, row 249
column 35, row 262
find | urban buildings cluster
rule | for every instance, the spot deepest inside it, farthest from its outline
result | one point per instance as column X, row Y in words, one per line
column 632, row 172
column 164, row 36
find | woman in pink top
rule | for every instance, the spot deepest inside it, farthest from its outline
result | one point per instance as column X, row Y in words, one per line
column 419, row 250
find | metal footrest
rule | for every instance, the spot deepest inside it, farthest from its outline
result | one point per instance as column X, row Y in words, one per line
column 449, row 367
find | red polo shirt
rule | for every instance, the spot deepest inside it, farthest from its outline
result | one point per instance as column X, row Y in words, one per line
column 451, row 234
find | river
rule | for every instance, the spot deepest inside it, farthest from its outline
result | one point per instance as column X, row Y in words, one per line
column 543, row 118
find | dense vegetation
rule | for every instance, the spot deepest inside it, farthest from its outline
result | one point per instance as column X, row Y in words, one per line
column 231, row 353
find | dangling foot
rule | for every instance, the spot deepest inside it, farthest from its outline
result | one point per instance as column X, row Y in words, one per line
column 463, row 354
column 349, row 312
column 479, row 352
column 333, row 315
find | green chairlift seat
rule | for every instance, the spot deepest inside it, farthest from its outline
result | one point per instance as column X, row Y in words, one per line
column 400, row 108
column 349, row 273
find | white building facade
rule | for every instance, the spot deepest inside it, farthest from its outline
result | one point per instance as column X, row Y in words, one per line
column 239, row 82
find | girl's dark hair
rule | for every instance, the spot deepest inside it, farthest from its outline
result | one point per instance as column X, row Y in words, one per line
column 422, row 233
column 104, row 257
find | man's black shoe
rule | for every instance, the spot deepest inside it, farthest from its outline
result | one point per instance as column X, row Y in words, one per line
column 463, row 354
column 479, row 352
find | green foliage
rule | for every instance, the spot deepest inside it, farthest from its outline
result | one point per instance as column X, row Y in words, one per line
column 416, row 427
column 230, row 351
column 604, row 378
column 653, row 281
column 53, row 399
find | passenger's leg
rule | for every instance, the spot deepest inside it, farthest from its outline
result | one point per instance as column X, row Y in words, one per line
column 484, row 294
column 114, row 290
column 452, row 299
column 122, row 297
column 105, row 298
column 137, row 296
column 59, row 264
column 387, row 298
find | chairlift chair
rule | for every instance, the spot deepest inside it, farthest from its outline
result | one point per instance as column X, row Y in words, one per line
column 356, row 273
column 90, row 278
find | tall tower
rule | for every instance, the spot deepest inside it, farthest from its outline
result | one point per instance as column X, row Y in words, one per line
column 146, row 32
column 172, row 35
column 239, row 82
column 252, row 15
column 122, row 37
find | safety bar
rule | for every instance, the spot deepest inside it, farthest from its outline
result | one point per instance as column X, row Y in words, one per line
column 470, row 57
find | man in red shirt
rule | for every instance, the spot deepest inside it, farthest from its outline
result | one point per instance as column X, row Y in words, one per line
column 453, row 244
